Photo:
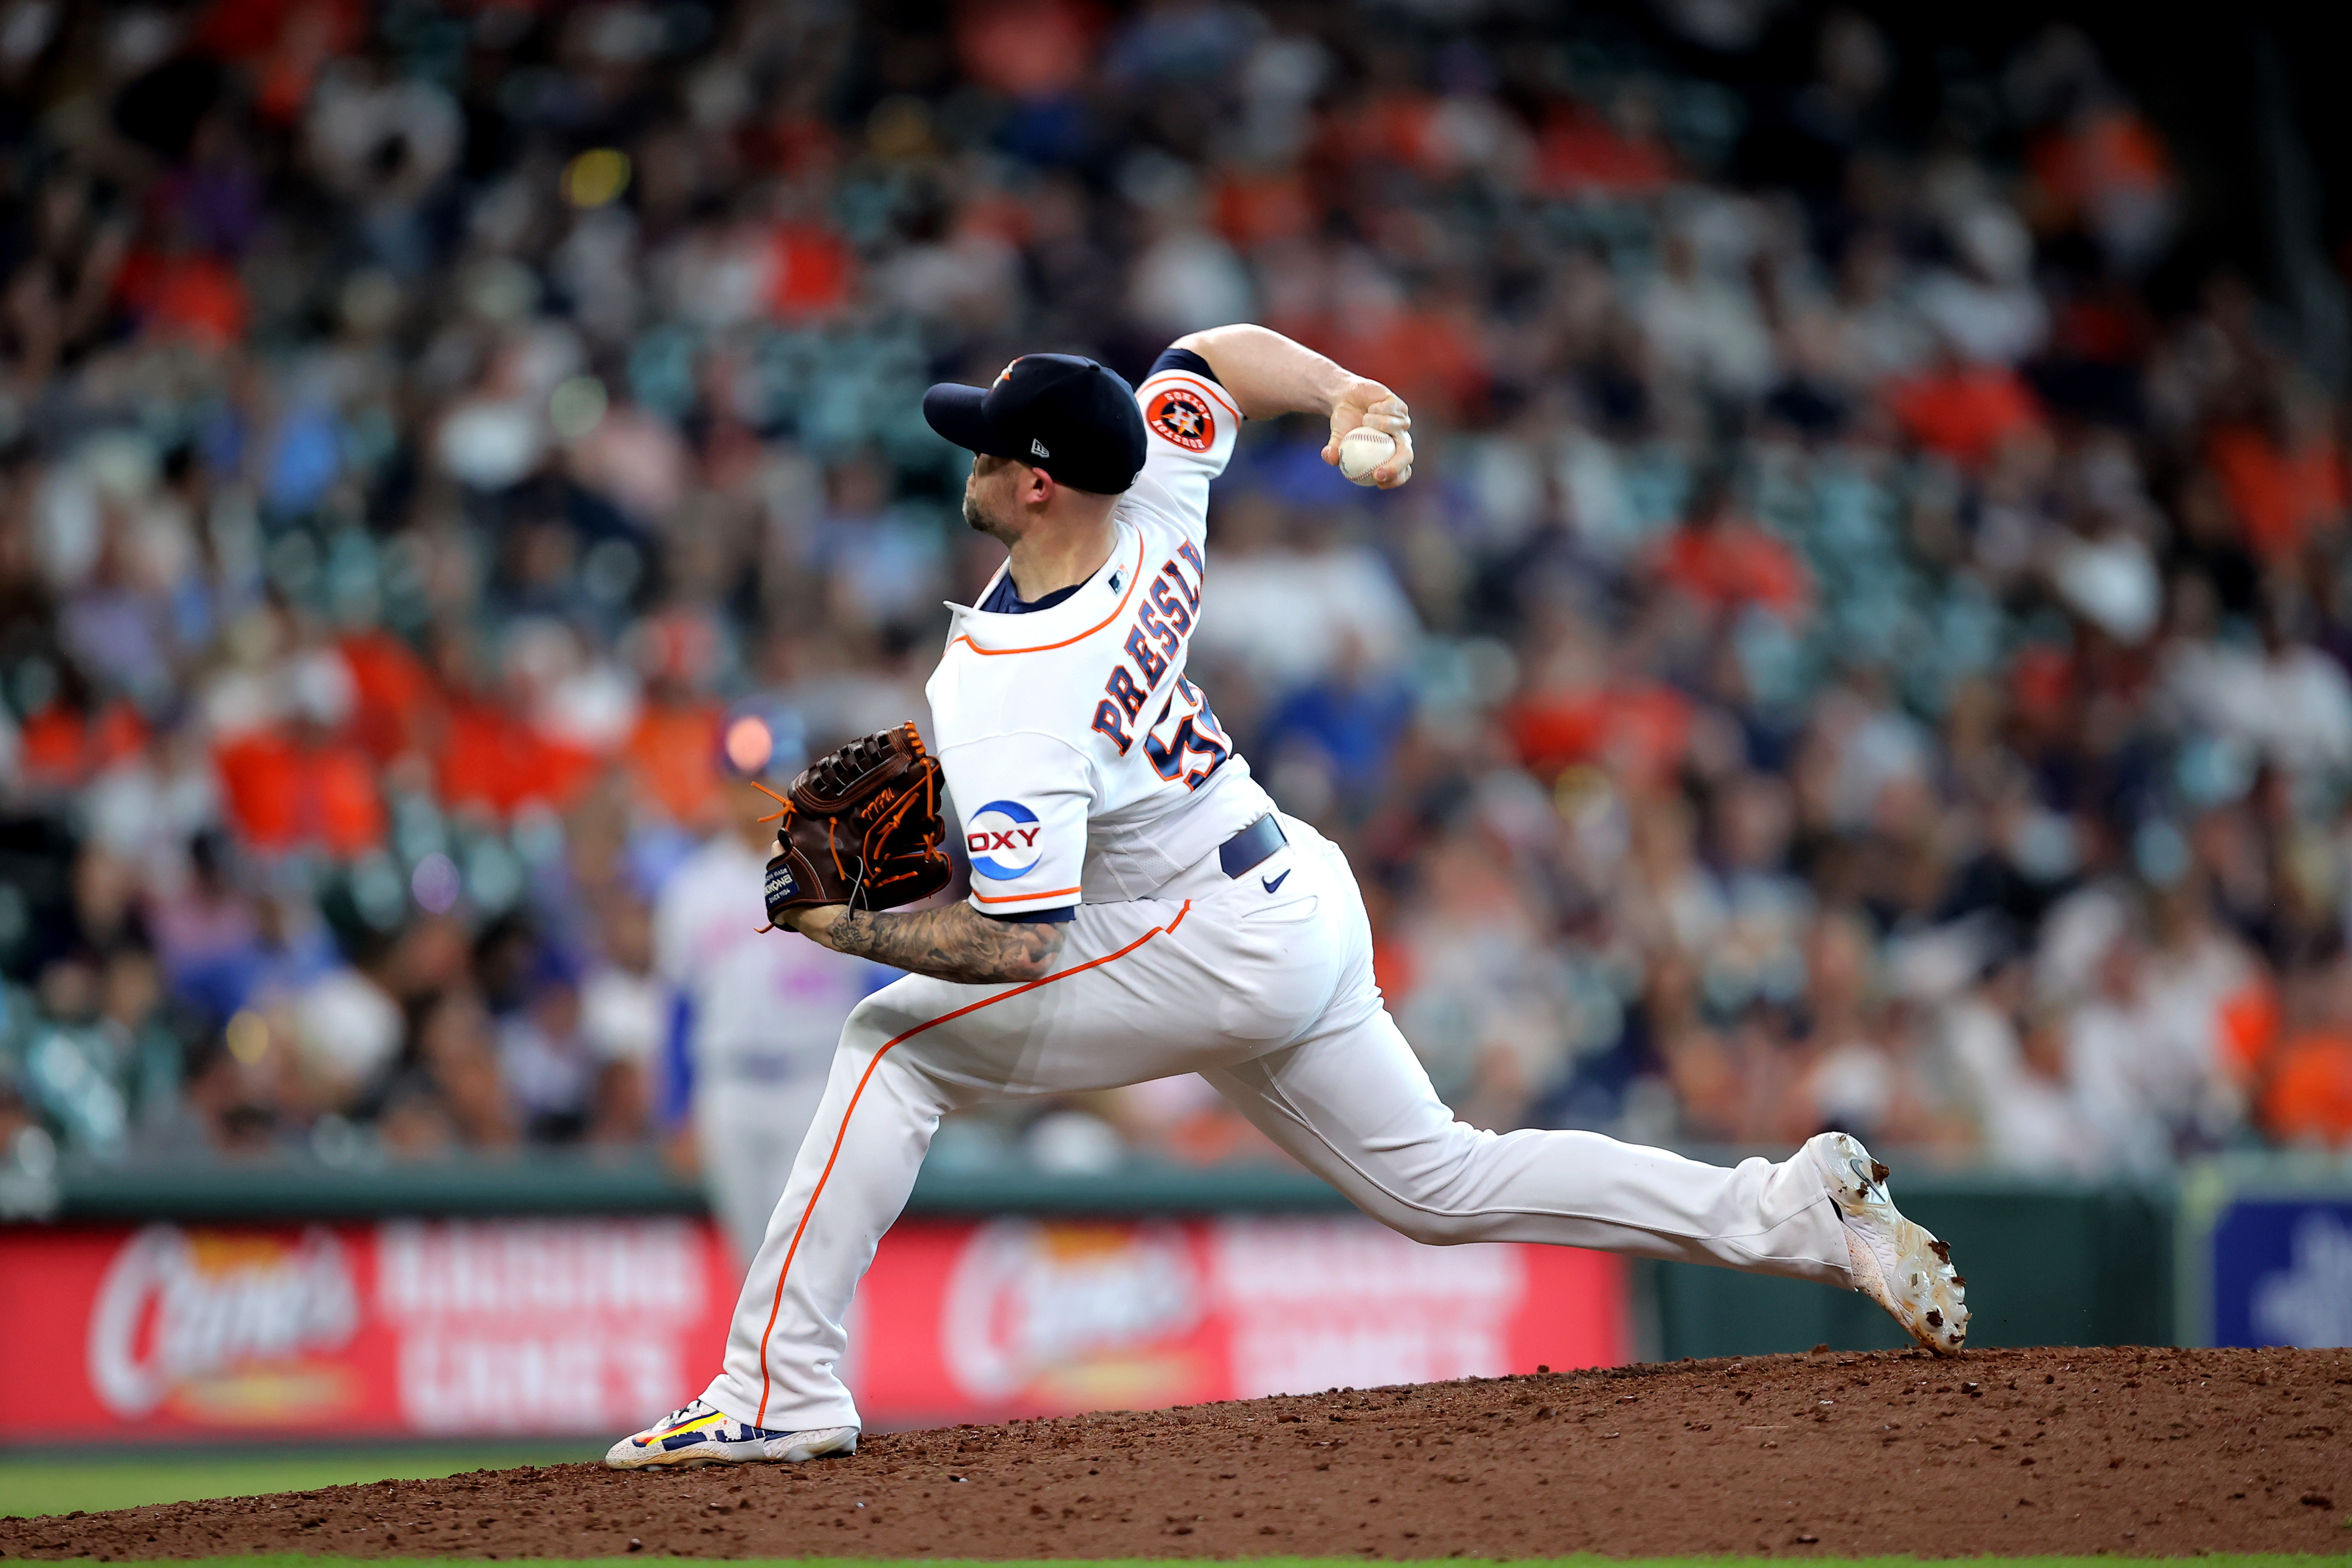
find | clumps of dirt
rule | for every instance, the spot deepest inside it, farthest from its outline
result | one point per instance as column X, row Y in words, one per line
column 2159, row 1452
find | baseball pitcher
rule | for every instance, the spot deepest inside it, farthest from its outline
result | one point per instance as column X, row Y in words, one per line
column 1139, row 908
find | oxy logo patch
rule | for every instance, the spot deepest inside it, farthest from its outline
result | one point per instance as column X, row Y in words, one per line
column 1002, row 837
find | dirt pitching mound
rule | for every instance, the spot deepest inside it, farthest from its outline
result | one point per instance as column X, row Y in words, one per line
column 2153, row 1451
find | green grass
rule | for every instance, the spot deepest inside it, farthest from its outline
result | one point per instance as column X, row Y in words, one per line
column 38, row 1486
column 2218, row 1560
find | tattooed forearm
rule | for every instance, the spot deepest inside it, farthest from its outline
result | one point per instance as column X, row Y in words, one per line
column 957, row 943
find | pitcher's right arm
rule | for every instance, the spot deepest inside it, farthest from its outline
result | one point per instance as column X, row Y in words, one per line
column 1268, row 375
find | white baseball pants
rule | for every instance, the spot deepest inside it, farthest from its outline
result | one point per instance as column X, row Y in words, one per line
column 1263, row 986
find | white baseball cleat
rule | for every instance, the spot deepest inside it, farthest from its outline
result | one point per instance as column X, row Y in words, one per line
column 1898, row 1264
column 702, row 1435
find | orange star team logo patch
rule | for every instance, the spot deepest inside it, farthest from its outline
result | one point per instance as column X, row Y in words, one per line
column 1179, row 415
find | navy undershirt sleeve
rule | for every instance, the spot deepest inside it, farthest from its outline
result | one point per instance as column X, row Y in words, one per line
column 1184, row 360
column 1040, row 917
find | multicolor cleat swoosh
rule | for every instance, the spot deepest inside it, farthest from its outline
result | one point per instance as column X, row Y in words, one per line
column 700, row 1434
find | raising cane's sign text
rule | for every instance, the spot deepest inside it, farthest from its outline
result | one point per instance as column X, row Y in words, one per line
column 591, row 1327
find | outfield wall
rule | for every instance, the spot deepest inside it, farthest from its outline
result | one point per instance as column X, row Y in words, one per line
column 547, row 1296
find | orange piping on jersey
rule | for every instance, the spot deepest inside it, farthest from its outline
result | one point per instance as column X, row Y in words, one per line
column 761, row 1419
column 1016, row 898
column 1134, row 576
column 1211, row 387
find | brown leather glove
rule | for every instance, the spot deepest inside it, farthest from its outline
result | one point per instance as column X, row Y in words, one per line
column 862, row 826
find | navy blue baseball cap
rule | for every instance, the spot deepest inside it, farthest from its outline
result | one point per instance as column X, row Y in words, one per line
column 1070, row 416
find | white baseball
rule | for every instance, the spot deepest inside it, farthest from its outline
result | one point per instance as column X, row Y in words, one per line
column 1362, row 450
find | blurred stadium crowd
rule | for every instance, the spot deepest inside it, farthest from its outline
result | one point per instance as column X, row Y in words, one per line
column 1847, row 658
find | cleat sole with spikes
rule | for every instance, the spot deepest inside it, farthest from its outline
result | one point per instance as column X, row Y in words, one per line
column 1898, row 1262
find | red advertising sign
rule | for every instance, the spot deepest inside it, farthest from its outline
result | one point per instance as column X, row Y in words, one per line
column 1033, row 1316
column 409, row 1326
column 594, row 1326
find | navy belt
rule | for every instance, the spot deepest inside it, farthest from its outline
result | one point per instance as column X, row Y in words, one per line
column 1242, row 852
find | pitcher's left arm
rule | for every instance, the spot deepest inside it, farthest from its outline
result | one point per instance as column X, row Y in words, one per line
column 954, row 942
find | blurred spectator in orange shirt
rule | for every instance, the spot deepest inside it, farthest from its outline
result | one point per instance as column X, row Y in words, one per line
column 814, row 273
column 2284, row 486
column 1253, row 207
column 1965, row 412
column 1578, row 151
column 2106, row 171
column 60, row 749
column 185, row 295
column 2308, row 1098
column 290, row 792
column 392, row 695
column 676, row 754
column 1029, row 50
column 1574, row 708
column 1724, row 561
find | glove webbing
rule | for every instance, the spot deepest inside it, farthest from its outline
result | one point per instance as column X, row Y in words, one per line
column 905, row 803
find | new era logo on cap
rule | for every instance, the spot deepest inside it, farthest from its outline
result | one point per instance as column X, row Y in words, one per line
column 1038, row 448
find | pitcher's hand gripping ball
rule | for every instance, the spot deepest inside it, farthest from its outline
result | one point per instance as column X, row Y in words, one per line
column 861, row 826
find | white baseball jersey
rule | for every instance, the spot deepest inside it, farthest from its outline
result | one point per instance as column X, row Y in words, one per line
column 1085, row 766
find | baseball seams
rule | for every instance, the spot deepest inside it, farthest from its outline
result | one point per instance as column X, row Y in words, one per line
column 809, row 1211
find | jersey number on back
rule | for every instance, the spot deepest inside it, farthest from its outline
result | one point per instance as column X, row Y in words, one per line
column 1196, row 734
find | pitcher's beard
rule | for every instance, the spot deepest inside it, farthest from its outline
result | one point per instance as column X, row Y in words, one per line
column 978, row 521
